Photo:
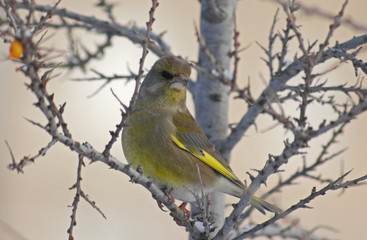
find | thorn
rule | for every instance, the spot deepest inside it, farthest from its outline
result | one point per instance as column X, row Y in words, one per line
column 251, row 176
column 139, row 169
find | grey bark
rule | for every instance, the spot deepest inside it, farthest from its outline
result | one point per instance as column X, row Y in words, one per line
column 211, row 96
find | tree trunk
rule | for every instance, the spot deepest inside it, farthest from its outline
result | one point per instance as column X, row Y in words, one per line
column 211, row 96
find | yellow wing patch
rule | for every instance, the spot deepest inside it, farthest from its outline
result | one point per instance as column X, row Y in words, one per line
column 209, row 160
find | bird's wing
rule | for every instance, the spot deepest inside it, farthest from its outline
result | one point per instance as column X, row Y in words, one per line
column 191, row 138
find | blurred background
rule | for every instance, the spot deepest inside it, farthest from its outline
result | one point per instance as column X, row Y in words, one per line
column 34, row 205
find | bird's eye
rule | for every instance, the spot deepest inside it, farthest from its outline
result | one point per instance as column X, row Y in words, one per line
column 166, row 75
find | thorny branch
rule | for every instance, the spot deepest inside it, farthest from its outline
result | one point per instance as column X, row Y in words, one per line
column 335, row 185
column 305, row 171
column 278, row 83
column 145, row 46
column 107, row 79
column 34, row 63
column 303, row 132
column 79, row 193
column 235, row 53
column 26, row 160
column 317, row 11
column 58, row 128
column 76, row 58
column 288, row 232
column 134, row 34
column 76, row 197
column 269, row 50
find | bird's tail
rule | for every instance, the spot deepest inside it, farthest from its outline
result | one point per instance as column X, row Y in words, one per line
column 263, row 205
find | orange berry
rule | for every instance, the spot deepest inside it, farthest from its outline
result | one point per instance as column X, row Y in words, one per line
column 16, row 49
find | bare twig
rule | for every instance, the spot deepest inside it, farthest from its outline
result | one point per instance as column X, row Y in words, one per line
column 289, row 232
column 235, row 52
column 55, row 121
column 92, row 203
column 13, row 159
column 108, row 7
column 33, row 61
column 76, row 60
column 277, row 84
column 99, row 25
column 76, row 197
column 145, row 45
column 107, row 79
column 79, row 193
column 357, row 63
column 304, row 172
column 26, row 159
column 317, row 11
column 335, row 185
column 269, row 50
column 332, row 28
column 321, row 159
column 115, row 134
column 274, row 163
column 44, row 19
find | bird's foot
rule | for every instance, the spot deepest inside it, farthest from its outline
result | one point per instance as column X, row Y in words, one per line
column 169, row 195
column 161, row 206
column 187, row 214
column 170, row 198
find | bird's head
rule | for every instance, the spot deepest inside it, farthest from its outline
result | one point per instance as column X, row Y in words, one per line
column 166, row 83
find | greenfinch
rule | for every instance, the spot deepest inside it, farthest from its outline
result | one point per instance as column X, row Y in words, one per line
column 164, row 140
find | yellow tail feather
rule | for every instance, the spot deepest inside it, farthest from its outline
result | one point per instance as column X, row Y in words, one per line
column 263, row 205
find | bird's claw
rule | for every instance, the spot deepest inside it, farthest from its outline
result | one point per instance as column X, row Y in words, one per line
column 161, row 206
column 170, row 199
column 186, row 212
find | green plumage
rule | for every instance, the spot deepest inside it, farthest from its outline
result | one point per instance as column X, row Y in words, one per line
column 162, row 137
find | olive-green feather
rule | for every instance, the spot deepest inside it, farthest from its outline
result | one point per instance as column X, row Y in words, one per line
column 190, row 135
column 163, row 138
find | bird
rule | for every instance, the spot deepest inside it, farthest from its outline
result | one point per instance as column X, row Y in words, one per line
column 162, row 138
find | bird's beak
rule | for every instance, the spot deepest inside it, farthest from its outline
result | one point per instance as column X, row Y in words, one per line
column 179, row 82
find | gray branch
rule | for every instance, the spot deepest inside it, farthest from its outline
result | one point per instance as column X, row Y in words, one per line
column 134, row 34
column 276, row 84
